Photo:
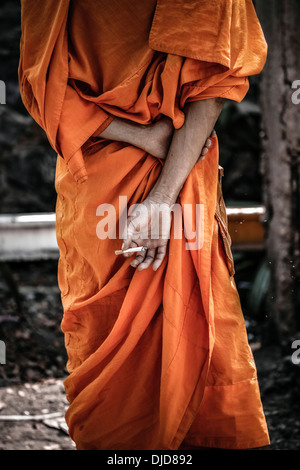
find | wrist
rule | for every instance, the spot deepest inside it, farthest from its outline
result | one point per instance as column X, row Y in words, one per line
column 162, row 194
column 123, row 130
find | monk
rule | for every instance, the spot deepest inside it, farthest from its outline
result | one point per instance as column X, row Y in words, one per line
column 128, row 93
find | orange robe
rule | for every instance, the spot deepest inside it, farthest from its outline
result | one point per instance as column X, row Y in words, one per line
column 157, row 360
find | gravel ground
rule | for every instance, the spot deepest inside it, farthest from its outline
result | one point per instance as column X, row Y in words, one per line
column 32, row 417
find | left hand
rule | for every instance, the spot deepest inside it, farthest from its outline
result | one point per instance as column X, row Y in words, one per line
column 207, row 145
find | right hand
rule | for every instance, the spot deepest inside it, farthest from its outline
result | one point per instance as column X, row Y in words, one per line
column 148, row 225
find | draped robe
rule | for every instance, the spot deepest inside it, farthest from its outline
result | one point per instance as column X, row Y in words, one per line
column 156, row 360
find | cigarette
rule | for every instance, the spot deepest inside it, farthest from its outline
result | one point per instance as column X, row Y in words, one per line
column 131, row 250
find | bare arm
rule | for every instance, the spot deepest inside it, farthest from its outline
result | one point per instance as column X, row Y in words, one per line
column 184, row 151
column 154, row 138
column 186, row 146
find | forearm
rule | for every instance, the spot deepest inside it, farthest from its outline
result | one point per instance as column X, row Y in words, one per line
column 123, row 130
column 186, row 146
column 152, row 138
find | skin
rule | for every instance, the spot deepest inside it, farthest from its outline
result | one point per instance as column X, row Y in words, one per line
column 155, row 138
column 181, row 149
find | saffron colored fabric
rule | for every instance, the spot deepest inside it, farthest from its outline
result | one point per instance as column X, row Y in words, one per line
column 157, row 360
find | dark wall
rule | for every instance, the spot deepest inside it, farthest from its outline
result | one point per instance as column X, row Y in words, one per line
column 27, row 162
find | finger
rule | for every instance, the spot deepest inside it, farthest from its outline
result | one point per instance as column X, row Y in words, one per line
column 148, row 259
column 160, row 255
column 138, row 259
column 132, row 244
column 208, row 143
column 206, row 147
column 213, row 134
column 128, row 234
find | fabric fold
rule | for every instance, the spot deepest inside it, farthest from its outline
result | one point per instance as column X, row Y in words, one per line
column 67, row 120
column 226, row 32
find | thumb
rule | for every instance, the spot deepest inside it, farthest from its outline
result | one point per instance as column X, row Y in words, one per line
column 127, row 234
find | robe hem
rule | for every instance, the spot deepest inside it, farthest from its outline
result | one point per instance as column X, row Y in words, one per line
column 220, row 443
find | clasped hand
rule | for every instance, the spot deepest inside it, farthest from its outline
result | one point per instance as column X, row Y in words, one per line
column 149, row 223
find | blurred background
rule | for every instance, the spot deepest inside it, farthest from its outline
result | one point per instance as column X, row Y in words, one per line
column 260, row 153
